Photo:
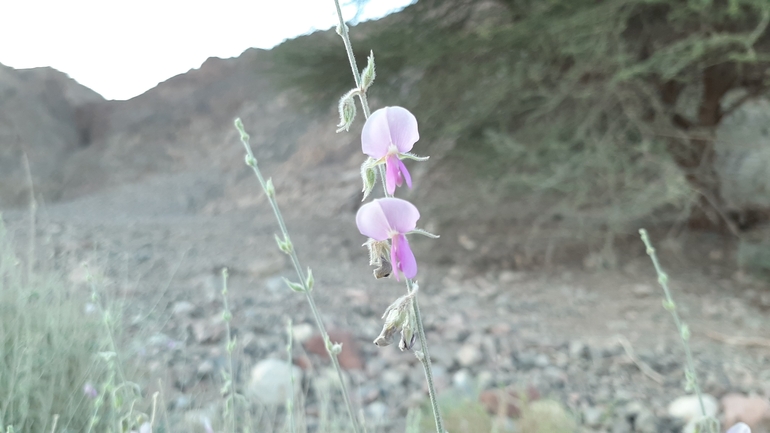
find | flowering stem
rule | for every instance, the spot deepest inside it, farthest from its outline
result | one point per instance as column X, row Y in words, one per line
column 270, row 193
column 342, row 29
column 424, row 358
column 684, row 333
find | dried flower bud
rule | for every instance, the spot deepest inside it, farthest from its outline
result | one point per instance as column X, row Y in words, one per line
column 379, row 252
column 399, row 316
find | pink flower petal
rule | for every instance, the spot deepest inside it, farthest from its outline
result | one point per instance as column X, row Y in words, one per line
column 371, row 221
column 401, row 215
column 394, row 259
column 404, row 256
column 403, row 128
column 405, row 173
column 386, row 126
column 392, row 176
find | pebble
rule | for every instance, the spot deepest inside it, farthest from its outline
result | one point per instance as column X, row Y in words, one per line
column 752, row 410
column 593, row 416
column 687, row 407
column 376, row 413
column 301, row 332
column 270, row 381
column 462, row 380
column 468, row 355
column 182, row 309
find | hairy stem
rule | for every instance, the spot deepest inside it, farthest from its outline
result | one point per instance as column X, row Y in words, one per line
column 270, row 193
column 424, row 358
column 342, row 29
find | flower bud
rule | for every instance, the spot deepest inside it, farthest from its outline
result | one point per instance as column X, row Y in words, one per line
column 368, row 74
column 368, row 176
column 347, row 109
column 270, row 188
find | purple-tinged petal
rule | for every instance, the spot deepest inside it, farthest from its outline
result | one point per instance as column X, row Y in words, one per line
column 392, row 176
column 394, row 258
column 375, row 137
column 386, row 126
column 739, row 428
column 403, row 128
column 406, row 261
column 401, row 215
column 372, row 222
column 405, row 173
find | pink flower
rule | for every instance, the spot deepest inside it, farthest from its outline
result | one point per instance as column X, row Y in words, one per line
column 391, row 218
column 389, row 133
column 739, row 428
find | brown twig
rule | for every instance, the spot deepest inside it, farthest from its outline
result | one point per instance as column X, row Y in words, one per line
column 738, row 341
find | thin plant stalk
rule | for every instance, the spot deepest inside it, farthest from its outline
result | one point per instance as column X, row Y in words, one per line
column 668, row 304
column 290, row 398
column 342, row 30
column 424, row 358
column 305, row 281
column 230, row 380
column 424, row 355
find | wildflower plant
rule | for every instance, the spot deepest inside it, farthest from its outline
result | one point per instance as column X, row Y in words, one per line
column 387, row 138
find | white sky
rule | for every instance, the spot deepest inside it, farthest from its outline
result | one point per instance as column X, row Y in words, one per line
column 122, row 48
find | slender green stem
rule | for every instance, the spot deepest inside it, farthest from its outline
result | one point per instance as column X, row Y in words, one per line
column 671, row 307
column 270, row 193
column 290, row 398
column 230, row 347
column 425, row 357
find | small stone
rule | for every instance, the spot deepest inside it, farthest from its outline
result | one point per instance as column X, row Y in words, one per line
column 542, row 361
column 526, row 360
column 578, row 350
column 468, row 355
column 302, row 332
column 593, row 416
column 183, row 402
column 752, row 410
column 208, row 331
column 687, row 407
column 206, row 368
column 182, row 309
column 466, row 242
column 270, row 381
column 642, row 290
column 462, row 380
column 508, row 277
column 393, row 377
column 377, row 413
